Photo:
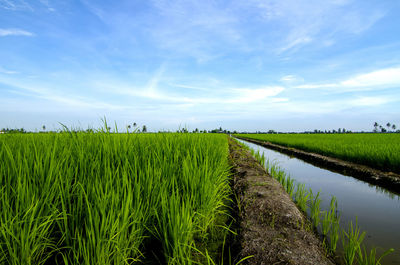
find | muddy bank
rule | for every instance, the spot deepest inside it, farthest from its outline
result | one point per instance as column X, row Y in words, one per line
column 271, row 228
column 388, row 180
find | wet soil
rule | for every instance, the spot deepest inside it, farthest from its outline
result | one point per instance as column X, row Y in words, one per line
column 272, row 230
column 388, row 180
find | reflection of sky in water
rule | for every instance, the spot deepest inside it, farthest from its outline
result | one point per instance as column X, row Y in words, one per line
column 378, row 210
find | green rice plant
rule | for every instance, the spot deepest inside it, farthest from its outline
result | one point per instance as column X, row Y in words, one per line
column 277, row 173
column 351, row 241
column 315, row 203
column 259, row 157
column 301, row 197
column 370, row 259
column 325, row 223
column 289, row 185
column 334, row 234
column 102, row 197
column 329, row 217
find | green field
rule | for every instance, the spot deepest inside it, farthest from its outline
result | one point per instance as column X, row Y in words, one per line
column 381, row 151
column 101, row 198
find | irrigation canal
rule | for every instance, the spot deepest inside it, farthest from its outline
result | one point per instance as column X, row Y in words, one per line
column 377, row 209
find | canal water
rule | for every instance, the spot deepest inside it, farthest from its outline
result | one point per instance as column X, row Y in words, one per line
column 377, row 209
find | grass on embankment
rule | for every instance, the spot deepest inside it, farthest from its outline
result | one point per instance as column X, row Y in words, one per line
column 101, row 198
column 380, row 151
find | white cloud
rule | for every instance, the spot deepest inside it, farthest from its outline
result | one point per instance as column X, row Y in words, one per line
column 304, row 22
column 47, row 5
column 383, row 78
column 369, row 101
column 15, row 5
column 316, row 86
column 63, row 98
column 223, row 96
column 253, row 95
column 291, row 79
column 288, row 78
column 6, row 71
column 15, row 32
column 195, row 28
column 291, row 44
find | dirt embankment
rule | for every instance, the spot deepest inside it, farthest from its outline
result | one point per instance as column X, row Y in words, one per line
column 271, row 228
column 388, row 180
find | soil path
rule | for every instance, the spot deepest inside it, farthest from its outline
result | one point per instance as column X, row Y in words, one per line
column 271, row 228
column 388, row 180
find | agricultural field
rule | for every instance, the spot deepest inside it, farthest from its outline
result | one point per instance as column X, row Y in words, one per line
column 380, row 151
column 101, row 198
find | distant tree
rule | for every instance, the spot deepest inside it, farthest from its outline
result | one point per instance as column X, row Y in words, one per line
column 388, row 125
column 134, row 124
column 394, row 127
column 129, row 126
column 339, row 130
column 44, row 128
column 144, row 129
column 343, row 130
column 376, row 125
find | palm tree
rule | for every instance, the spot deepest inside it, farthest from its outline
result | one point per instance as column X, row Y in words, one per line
column 376, row 126
column 393, row 127
column 44, row 128
column 134, row 124
column 388, row 125
column 144, row 128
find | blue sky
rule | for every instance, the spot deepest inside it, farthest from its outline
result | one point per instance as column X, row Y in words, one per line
column 288, row 65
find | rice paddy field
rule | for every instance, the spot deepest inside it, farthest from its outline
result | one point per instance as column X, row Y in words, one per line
column 103, row 198
column 380, row 150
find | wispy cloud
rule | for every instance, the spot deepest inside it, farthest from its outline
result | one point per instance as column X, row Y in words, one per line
column 47, row 5
column 369, row 101
column 382, row 78
column 15, row 32
column 15, row 5
column 290, row 78
column 61, row 98
column 291, row 44
column 6, row 71
column 195, row 28
column 224, row 95
column 305, row 22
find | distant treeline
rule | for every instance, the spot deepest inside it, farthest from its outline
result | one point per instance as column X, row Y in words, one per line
column 377, row 128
